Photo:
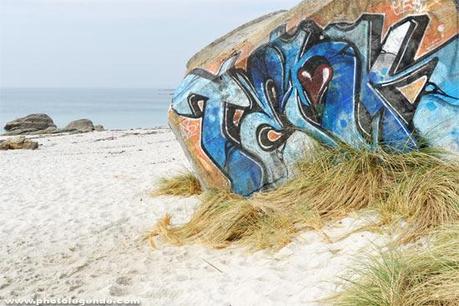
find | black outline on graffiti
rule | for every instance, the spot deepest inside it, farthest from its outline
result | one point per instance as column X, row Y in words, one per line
column 392, row 98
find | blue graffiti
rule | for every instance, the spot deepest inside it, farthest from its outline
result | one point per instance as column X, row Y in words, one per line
column 342, row 84
column 202, row 96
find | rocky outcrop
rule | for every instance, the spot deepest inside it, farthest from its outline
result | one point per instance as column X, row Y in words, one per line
column 31, row 124
column 80, row 126
column 18, row 143
column 36, row 124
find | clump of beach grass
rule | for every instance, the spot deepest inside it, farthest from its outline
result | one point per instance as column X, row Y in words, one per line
column 185, row 184
column 224, row 218
column 426, row 197
column 412, row 277
column 420, row 187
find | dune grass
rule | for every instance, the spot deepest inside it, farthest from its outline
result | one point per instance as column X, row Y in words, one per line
column 185, row 185
column 412, row 277
column 419, row 187
column 224, row 218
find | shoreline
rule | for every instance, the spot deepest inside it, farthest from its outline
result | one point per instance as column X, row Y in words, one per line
column 161, row 127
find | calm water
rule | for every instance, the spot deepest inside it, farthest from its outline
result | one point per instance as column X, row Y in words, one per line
column 113, row 108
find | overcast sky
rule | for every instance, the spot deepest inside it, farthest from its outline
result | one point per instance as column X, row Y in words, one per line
column 112, row 43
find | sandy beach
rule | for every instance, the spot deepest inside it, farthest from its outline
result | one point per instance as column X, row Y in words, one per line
column 75, row 211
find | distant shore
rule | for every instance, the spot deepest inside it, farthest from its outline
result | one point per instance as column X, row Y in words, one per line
column 114, row 108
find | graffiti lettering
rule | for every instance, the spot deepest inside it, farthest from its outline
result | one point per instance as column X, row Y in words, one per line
column 344, row 83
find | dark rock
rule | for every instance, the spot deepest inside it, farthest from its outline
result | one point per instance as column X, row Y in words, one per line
column 80, row 126
column 18, row 143
column 34, row 123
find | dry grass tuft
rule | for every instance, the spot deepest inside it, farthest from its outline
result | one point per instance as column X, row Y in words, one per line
column 224, row 218
column 420, row 187
column 426, row 198
column 412, row 277
column 185, row 185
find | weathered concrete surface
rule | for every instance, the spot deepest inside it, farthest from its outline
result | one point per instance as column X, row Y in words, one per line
column 249, row 34
column 369, row 73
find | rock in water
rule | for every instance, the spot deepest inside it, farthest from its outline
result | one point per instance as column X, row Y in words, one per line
column 367, row 73
column 31, row 124
column 80, row 126
column 18, row 143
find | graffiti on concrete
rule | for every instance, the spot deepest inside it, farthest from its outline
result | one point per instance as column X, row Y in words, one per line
column 344, row 83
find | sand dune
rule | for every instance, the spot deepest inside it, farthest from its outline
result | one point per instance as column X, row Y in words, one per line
column 74, row 213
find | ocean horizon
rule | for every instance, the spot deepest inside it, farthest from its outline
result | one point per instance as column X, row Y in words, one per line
column 114, row 108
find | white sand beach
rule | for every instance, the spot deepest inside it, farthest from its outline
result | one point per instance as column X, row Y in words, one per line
column 74, row 212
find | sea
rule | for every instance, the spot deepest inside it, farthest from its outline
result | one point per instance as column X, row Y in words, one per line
column 114, row 108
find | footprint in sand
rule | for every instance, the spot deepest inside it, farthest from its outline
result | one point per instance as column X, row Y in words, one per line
column 124, row 281
column 120, row 288
column 116, row 290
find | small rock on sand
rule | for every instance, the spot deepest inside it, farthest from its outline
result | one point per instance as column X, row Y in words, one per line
column 80, row 126
column 17, row 143
column 99, row 128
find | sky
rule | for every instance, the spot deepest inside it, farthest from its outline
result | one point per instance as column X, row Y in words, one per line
column 113, row 43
